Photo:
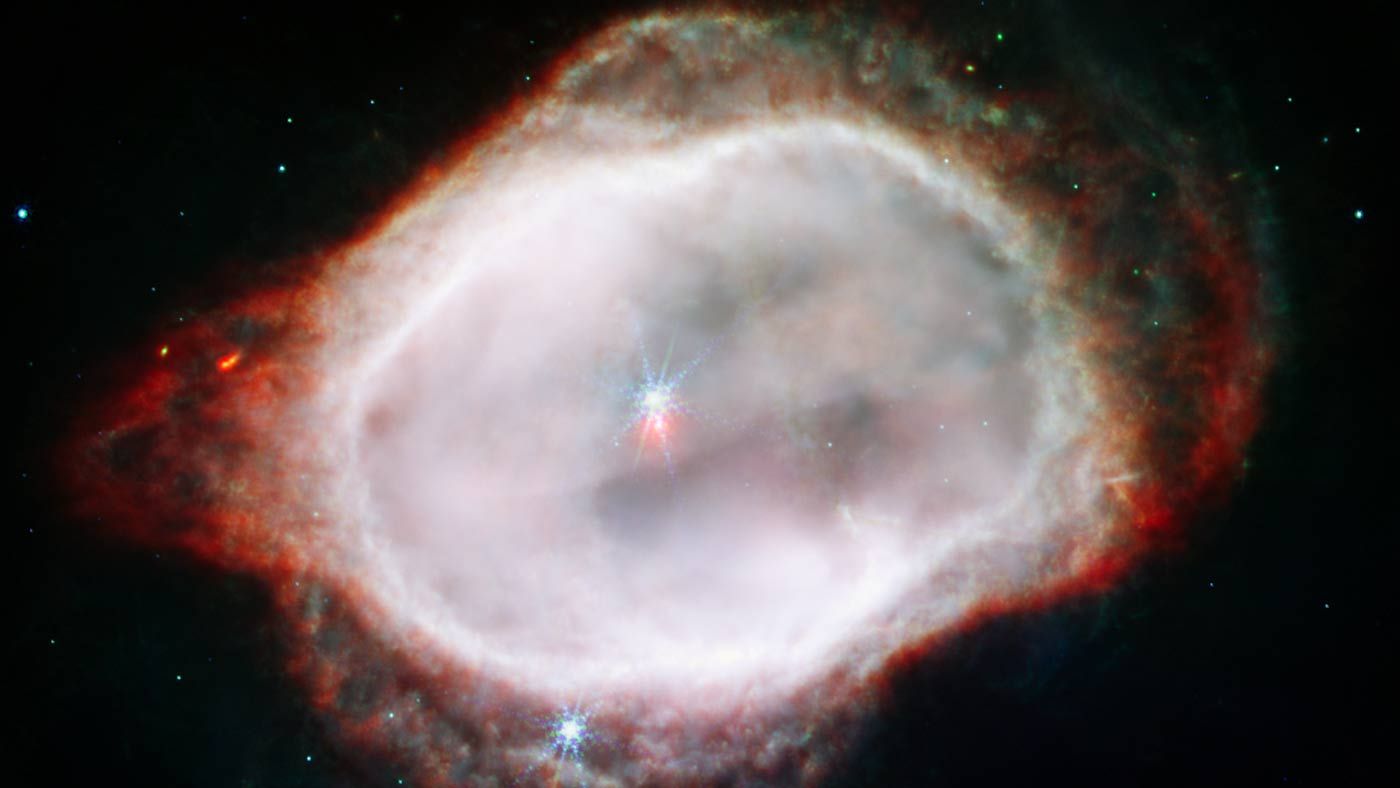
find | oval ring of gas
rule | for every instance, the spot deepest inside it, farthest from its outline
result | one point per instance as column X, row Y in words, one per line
column 746, row 354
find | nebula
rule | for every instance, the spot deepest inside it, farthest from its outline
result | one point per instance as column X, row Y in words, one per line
column 742, row 362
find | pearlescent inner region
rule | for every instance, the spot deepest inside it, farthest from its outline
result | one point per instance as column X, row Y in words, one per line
column 862, row 397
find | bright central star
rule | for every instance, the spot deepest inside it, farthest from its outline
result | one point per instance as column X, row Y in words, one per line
column 655, row 404
column 656, row 401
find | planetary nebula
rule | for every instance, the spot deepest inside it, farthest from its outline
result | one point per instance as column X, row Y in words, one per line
column 742, row 362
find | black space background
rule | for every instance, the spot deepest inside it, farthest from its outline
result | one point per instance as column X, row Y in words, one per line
column 1278, row 674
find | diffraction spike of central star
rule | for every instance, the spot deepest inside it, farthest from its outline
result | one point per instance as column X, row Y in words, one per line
column 745, row 354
